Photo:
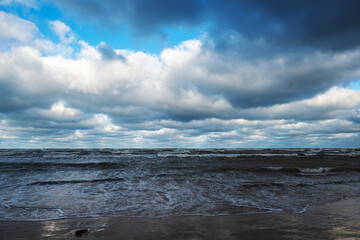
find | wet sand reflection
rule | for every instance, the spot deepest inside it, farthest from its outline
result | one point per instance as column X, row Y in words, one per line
column 338, row 220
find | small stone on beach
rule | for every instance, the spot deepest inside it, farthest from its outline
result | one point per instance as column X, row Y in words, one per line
column 81, row 232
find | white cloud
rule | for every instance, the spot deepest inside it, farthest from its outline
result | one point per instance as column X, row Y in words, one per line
column 180, row 55
column 16, row 29
column 160, row 132
column 336, row 102
column 59, row 111
column 336, row 97
column 101, row 123
column 78, row 134
column 62, row 31
column 47, row 47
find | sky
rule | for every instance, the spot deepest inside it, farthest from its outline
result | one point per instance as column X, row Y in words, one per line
column 179, row 74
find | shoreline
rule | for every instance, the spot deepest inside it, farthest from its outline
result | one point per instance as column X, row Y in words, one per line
column 324, row 221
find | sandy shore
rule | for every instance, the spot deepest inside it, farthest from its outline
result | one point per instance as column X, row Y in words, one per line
column 339, row 220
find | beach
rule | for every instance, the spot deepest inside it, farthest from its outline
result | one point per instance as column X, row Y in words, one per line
column 338, row 220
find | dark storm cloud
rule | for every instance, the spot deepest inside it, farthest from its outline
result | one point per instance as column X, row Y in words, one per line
column 327, row 25
column 333, row 25
column 146, row 17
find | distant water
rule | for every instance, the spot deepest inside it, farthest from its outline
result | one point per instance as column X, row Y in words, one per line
column 60, row 183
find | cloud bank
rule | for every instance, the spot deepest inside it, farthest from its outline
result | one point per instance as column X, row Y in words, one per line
column 281, row 83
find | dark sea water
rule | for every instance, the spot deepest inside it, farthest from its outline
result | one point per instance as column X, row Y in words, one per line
column 61, row 183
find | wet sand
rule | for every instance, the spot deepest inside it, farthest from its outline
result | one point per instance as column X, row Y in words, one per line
column 339, row 220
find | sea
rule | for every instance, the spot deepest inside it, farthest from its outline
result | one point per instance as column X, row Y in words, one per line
column 44, row 184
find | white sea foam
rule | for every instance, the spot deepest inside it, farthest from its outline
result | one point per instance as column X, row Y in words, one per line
column 303, row 210
column 60, row 212
column 315, row 171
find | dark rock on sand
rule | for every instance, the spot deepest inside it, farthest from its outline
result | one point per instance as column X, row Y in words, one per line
column 81, row 232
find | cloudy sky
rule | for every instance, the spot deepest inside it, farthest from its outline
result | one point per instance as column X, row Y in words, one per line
column 169, row 73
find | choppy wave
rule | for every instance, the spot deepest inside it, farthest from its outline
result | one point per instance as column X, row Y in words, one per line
column 77, row 181
column 315, row 171
column 303, row 184
column 56, row 183
column 304, row 171
column 33, row 166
